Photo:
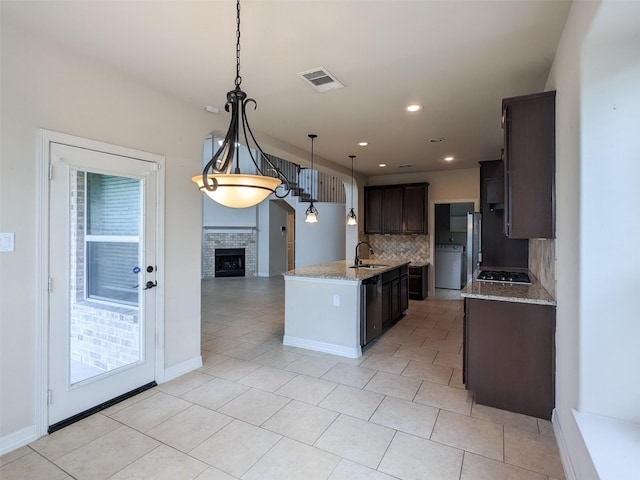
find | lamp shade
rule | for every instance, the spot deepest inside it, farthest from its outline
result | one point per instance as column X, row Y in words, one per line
column 238, row 190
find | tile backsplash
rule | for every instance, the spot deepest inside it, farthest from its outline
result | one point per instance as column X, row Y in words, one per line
column 542, row 262
column 414, row 248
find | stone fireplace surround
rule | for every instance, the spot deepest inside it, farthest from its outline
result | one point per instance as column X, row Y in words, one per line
column 216, row 237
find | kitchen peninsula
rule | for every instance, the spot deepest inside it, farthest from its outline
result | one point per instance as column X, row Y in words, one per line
column 328, row 306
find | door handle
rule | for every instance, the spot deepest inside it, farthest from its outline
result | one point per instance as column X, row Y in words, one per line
column 150, row 284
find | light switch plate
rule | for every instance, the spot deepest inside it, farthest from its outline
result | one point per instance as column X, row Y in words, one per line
column 6, row 242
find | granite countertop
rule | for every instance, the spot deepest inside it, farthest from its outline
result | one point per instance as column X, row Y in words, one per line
column 509, row 292
column 340, row 270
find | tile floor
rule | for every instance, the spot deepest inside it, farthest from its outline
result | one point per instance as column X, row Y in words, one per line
column 259, row 410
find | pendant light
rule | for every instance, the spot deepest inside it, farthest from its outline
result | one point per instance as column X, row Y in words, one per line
column 351, row 216
column 312, row 211
column 220, row 180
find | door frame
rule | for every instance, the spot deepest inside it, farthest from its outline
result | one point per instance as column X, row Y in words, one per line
column 42, row 274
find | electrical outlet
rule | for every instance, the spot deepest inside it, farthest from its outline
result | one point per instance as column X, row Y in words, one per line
column 336, row 300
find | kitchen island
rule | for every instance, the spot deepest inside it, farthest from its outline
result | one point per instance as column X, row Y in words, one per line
column 325, row 308
column 509, row 347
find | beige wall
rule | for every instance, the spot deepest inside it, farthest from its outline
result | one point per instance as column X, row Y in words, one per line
column 47, row 87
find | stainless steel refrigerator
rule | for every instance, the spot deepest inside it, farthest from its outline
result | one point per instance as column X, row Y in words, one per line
column 474, row 244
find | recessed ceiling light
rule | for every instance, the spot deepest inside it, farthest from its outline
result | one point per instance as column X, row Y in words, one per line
column 363, row 144
column 382, row 165
column 436, row 140
column 414, row 108
column 448, row 159
column 212, row 109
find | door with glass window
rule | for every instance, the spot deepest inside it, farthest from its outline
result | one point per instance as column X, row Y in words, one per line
column 102, row 278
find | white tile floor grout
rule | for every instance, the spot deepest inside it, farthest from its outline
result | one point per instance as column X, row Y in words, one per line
column 259, row 410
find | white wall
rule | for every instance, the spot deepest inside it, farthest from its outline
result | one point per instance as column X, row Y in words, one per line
column 320, row 242
column 597, row 77
column 565, row 78
column 47, row 87
column 609, row 228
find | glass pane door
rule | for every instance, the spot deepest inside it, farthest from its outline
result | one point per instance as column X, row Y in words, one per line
column 105, row 265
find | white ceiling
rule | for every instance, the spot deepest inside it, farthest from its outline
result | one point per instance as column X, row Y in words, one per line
column 456, row 58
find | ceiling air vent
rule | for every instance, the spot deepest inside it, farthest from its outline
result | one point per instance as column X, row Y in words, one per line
column 321, row 79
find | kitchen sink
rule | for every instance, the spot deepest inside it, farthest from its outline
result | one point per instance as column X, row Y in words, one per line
column 369, row 266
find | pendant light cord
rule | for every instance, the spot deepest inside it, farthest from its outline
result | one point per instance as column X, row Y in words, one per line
column 352, row 157
column 238, row 77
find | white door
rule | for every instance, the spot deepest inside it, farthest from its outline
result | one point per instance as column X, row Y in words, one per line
column 102, row 268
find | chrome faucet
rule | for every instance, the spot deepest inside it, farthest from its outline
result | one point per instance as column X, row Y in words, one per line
column 357, row 261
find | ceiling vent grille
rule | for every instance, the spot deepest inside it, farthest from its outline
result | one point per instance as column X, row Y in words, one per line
column 320, row 79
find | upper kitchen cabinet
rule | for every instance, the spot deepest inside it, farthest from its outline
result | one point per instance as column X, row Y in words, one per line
column 529, row 161
column 396, row 209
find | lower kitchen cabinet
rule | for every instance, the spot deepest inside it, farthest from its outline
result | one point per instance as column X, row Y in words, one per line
column 395, row 294
column 509, row 355
column 418, row 286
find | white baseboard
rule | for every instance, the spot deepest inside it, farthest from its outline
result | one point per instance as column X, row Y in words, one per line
column 569, row 472
column 340, row 350
column 18, row 439
column 182, row 368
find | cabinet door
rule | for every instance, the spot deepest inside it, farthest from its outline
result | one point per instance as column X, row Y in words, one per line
column 395, row 299
column 373, row 210
column 404, row 293
column 529, row 128
column 414, row 209
column 510, row 356
column 494, row 190
column 386, row 303
column 392, row 217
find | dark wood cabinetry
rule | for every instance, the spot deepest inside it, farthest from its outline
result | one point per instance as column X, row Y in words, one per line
column 418, row 285
column 395, row 294
column 509, row 355
column 529, row 160
column 392, row 208
column 396, row 209
column 498, row 250
column 373, row 198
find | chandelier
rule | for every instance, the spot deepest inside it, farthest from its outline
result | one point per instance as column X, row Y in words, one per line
column 220, row 179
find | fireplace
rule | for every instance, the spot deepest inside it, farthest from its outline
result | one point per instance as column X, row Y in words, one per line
column 230, row 262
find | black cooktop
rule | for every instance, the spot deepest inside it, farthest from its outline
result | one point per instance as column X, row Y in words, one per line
column 501, row 276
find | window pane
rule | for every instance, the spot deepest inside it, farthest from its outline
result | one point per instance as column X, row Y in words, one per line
column 111, row 271
column 113, row 205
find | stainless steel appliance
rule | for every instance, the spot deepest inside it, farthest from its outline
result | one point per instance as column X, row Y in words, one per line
column 370, row 309
column 502, row 276
column 474, row 244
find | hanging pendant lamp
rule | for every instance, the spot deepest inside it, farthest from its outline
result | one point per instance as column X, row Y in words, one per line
column 351, row 216
column 312, row 211
column 223, row 182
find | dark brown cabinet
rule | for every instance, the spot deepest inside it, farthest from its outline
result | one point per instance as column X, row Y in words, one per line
column 392, row 210
column 395, row 294
column 414, row 209
column 373, row 198
column 396, row 209
column 529, row 160
column 418, row 285
column 498, row 250
column 509, row 355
